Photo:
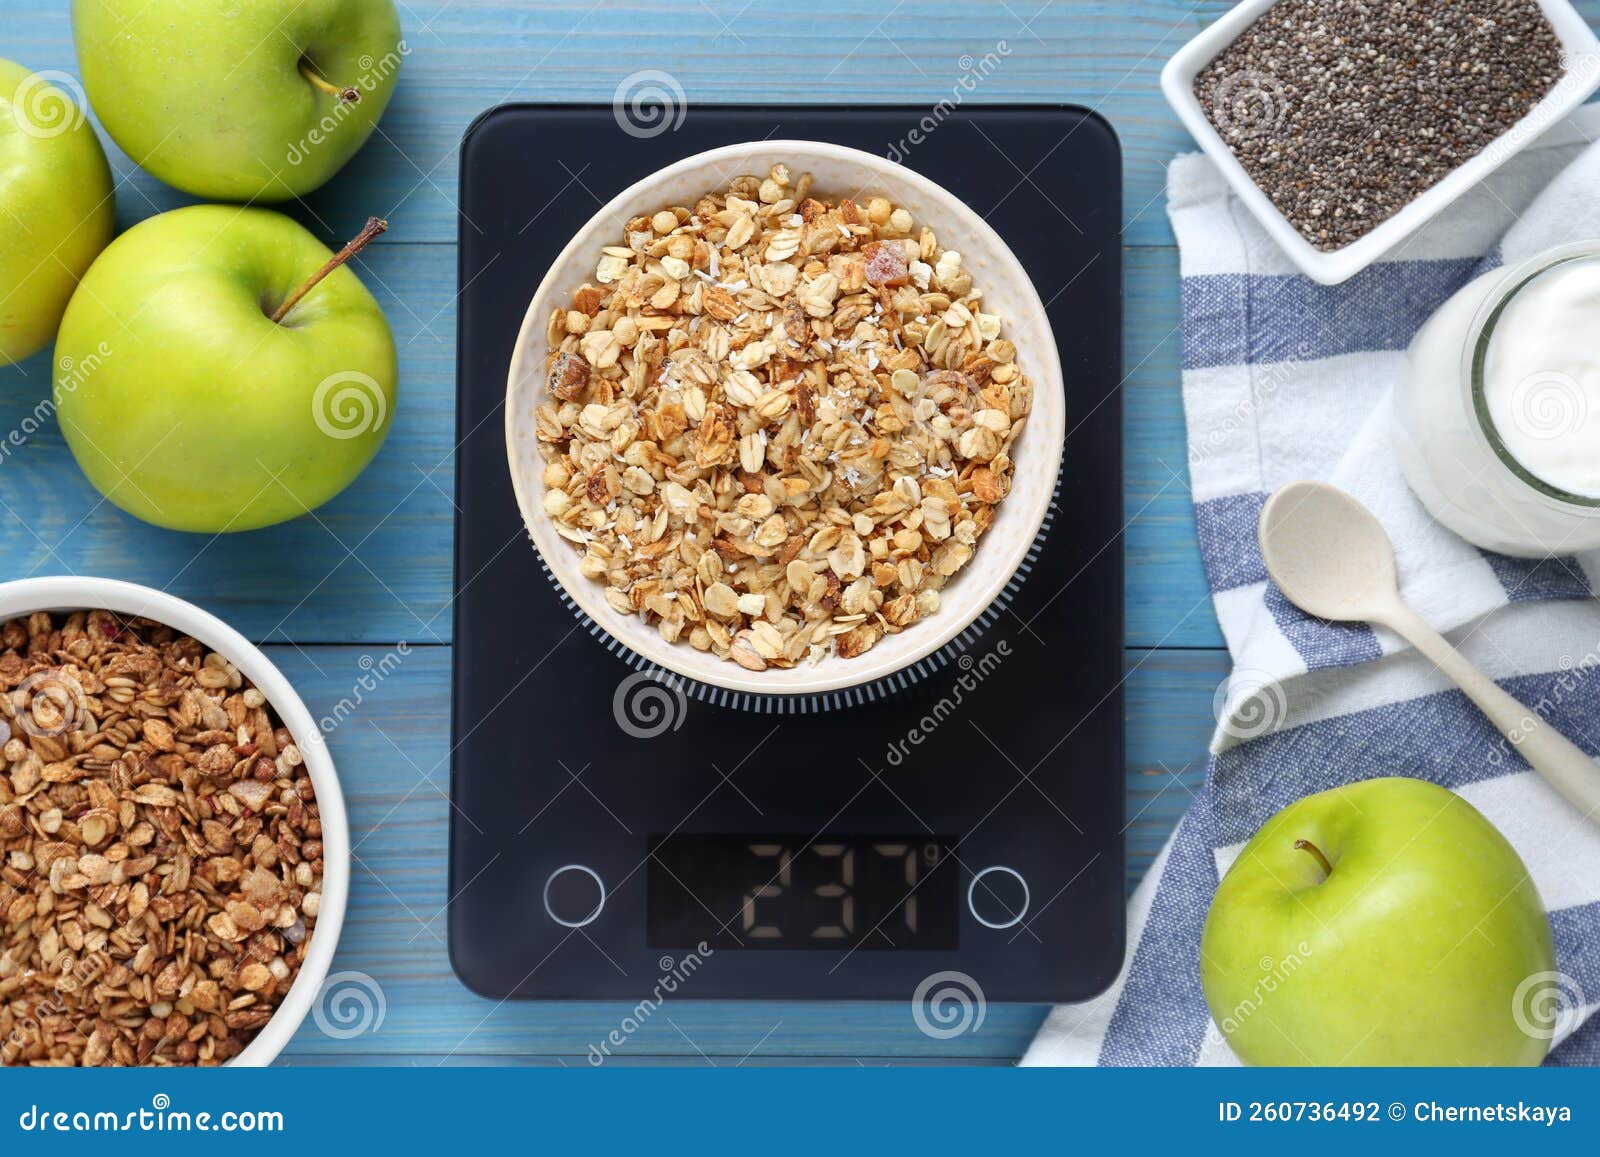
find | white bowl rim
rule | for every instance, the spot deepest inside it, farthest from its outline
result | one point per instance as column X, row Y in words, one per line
column 798, row 680
column 80, row 592
column 1581, row 52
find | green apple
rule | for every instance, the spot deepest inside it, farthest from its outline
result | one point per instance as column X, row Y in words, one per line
column 194, row 400
column 240, row 101
column 56, row 207
column 1382, row 923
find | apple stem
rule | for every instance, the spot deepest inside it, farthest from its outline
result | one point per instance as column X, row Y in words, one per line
column 309, row 71
column 1316, row 854
column 373, row 227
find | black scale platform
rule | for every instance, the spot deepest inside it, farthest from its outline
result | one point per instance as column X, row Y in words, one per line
column 606, row 823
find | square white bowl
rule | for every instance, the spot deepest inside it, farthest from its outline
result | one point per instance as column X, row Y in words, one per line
column 1580, row 51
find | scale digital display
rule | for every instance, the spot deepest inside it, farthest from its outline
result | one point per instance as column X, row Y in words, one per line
column 802, row 891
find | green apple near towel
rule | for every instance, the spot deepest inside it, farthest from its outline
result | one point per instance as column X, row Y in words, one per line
column 208, row 380
column 1386, row 922
column 250, row 100
column 56, row 207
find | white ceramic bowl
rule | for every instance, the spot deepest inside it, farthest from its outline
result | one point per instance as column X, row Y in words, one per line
column 1581, row 55
column 80, row 594
column 1007, row 291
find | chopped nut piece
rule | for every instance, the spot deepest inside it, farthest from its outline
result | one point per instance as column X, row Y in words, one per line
column 569, row 377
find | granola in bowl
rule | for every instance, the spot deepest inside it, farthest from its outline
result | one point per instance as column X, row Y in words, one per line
column 161, row 847
column 775, row 423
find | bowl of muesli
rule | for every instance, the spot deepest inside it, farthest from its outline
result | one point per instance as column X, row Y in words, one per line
column 174, row 856
column 785, row 417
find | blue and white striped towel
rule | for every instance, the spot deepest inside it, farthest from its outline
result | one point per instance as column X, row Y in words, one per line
column 1286, row 379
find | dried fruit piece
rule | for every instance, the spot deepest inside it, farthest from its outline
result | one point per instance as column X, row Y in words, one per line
column 886, row 264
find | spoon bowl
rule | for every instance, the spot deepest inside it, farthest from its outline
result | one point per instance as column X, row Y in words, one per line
column 1328, row 554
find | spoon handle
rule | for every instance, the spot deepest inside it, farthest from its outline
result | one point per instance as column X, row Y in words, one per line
column 1562, row 764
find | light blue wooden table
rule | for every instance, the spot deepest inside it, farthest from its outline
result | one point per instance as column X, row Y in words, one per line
column 331, row 596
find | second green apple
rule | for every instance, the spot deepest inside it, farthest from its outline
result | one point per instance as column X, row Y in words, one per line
column 188, row 405
column 252, row 100
column 1386, row 922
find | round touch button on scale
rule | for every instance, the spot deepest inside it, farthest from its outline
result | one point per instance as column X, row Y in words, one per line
column 574, row 895
column 998, row 897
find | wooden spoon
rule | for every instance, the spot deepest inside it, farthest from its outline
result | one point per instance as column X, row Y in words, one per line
column 1331, row 558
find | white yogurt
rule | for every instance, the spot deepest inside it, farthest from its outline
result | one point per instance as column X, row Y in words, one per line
column 1498, row 414
column 1541, row 377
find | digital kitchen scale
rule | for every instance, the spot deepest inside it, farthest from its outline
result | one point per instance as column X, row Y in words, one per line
column 610, row 823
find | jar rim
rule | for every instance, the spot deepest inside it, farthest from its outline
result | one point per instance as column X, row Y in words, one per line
column 1476, row 352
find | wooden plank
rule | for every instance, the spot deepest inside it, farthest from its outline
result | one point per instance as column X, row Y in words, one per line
column 374, row 564
column 1168, row 601
column 391, row 750
column 1170, row 722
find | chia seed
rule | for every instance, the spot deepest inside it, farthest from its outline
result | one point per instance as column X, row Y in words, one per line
column 1343, row 111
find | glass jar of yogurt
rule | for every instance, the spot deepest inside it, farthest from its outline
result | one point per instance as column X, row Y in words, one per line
column 1497, row 416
